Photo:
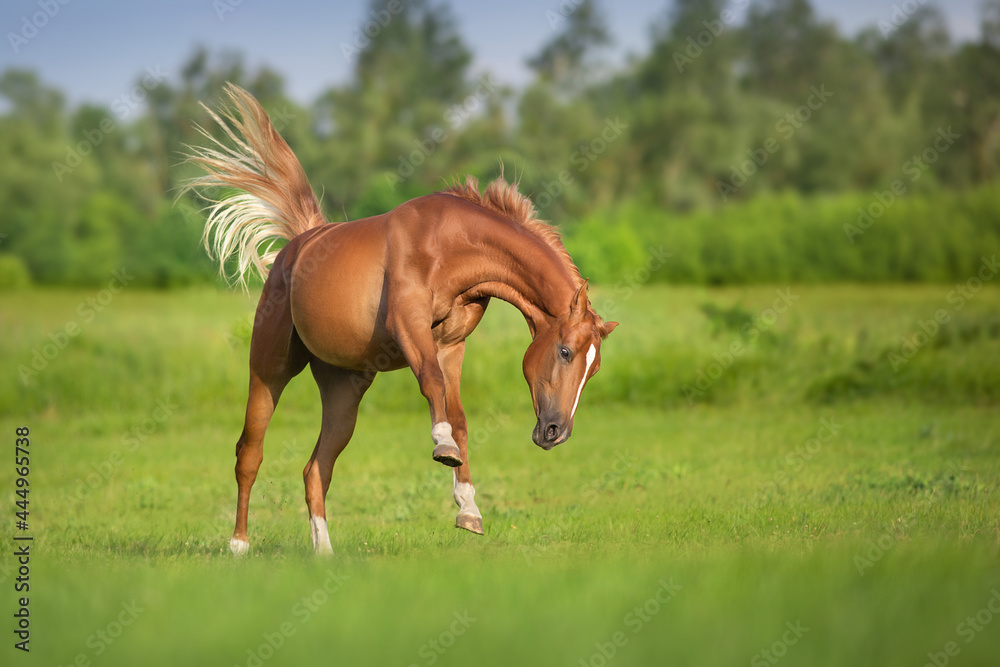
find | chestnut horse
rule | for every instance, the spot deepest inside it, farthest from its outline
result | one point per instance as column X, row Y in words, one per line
column 401, row 289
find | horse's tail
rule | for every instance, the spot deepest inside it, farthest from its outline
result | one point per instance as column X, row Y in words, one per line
column 272, row 200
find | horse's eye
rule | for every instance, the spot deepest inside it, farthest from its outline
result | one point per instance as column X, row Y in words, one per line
column 564, row 353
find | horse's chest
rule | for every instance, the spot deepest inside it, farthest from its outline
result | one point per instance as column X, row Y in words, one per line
column 459, row 322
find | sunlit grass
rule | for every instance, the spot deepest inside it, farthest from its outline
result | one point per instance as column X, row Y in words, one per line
column 869, row 518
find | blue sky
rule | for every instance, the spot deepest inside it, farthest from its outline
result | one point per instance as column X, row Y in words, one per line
column 94, row 51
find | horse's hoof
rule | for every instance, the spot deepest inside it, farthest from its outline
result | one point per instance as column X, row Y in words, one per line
column 448, row 454
column 471, row 523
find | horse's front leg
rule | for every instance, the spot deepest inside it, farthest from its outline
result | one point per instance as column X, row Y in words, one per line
column 421, row 354
column 450, row 360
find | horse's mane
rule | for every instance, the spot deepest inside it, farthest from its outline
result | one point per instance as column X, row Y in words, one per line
column 503, row 198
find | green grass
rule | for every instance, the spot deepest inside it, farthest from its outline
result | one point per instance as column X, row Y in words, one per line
column 880, row 536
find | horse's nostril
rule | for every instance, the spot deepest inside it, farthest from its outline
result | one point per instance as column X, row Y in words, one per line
column 551, row 432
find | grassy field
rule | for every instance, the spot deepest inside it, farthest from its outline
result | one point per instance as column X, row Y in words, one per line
column 804, row 476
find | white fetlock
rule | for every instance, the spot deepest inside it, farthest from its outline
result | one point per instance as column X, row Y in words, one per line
column 239, row 547
column 465, row 497
column 320, row 536
column 441, row 434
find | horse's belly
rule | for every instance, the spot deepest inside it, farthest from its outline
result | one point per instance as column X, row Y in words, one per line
column 336, row 302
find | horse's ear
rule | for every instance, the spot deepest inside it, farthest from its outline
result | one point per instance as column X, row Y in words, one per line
column 580, row 301
column 607, row 328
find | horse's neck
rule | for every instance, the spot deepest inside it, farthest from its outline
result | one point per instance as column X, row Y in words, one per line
column 526, row 273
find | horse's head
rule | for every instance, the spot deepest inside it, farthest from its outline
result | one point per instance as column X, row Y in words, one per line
column 562, row 357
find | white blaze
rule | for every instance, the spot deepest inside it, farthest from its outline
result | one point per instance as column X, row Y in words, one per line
column 591, row 355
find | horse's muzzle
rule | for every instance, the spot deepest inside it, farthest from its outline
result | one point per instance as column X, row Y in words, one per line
column 548, row 433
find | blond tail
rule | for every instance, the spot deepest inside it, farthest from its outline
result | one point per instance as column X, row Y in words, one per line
column 274, row 199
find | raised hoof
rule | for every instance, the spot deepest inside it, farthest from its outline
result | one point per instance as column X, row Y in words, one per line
column 448, row 454
column 473, row 524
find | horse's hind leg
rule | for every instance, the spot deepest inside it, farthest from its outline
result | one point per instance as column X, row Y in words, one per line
column 262, row 399
column 341, row 391
column 276, row 356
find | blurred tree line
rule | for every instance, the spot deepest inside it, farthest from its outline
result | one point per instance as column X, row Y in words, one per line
column 734, row 104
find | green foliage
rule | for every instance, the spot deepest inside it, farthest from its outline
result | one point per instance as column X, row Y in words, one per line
column 796, row 345
column 13, row 273
column 742, row 143
column 562, row 60
column 781, row 238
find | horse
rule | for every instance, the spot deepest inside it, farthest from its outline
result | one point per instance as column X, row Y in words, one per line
column 403, row 289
